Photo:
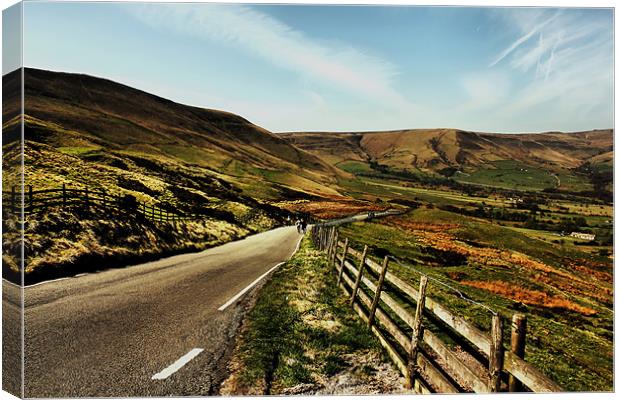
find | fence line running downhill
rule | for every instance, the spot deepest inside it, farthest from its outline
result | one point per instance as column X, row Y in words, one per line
column 35, row 201
column 429, row 364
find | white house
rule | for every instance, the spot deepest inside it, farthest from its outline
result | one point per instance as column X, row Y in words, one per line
column 584, row 236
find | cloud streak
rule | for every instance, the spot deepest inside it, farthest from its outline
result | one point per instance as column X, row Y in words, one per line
column 263, row 36
column 521, row 40
column 568, row 71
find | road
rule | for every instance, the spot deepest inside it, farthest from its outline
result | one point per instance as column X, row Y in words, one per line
column 153, row 329
column 361, row 217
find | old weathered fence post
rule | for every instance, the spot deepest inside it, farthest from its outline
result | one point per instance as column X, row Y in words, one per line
column 496, row 355
column 359, row 276
column 332, row 256
column 344, row 256
column 325, row 236
column 324, row 240
column 330, row 242
column 416, row 335
column 375, row 301
column 517, row 347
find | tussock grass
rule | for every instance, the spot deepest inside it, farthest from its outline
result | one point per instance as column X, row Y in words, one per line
column 301, row 334
column 65, row 243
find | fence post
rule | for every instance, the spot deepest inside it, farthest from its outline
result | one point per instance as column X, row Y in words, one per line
column 86, row 193
column 13, row 199
column 330, row 240
column 332, row 257
column 375, row 301
column 517, row 347
column 30, row 198
column 496, row 356
column 359, row 276
column 64, row 195
column 344, row 256
column 416, row 335
column 325, row 236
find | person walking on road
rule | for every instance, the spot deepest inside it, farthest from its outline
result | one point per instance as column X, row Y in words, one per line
column 304, row 225
column 298, row 225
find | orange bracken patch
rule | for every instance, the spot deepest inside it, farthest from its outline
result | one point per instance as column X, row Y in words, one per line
column 328, row 209
column 527, row 296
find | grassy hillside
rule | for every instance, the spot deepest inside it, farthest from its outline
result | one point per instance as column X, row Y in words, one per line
column 86, row 117
column 87, row 132
column 541, row 159
column 566, row 293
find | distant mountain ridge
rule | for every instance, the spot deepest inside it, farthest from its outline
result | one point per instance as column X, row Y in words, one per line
column 436, row 149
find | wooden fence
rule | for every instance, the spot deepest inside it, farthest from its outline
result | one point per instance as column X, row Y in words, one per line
column 35, row 201
column 414, row 340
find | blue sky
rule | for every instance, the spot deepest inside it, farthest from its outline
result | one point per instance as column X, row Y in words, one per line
column 342, row 68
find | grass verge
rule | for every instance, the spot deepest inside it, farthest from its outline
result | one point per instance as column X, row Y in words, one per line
column 302, row 337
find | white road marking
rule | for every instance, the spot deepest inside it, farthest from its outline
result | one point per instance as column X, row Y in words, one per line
column 35, row 284
column 177, row 365
column 250, row 286
column 260, row 278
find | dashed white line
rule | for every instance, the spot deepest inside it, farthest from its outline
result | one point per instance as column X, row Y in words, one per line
column 177, row 365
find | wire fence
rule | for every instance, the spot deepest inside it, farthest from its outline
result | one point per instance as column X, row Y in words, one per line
column 436, row 349
column 88, row 198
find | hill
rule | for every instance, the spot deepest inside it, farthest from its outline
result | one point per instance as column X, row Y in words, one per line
column 86, row 132
column 467, row 156
column 99, row 120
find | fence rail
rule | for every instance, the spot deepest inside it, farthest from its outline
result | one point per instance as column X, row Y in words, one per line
column 35, row 201
column 429, row 364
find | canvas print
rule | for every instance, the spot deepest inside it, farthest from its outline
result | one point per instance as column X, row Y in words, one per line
column 204, row 199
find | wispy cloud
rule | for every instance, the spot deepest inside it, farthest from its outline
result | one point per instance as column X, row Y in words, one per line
column 565, row 63
column 524, row 38
column 257, row 33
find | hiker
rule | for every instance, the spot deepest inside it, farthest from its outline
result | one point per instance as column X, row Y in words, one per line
column 304, row 225
column 298, row 225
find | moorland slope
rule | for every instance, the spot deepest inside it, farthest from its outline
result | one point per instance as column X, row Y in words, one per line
column 450, row 151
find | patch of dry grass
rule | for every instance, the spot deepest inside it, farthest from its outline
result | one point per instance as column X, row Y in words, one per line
column 530, row 297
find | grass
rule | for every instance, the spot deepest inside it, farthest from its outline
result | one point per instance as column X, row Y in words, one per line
column 355, row 167
column 566, row 294
column 149, row 177
column 300, row 331
column 511, row 175
column 64, row 243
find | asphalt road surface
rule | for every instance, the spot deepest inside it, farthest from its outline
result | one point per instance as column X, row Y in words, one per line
column 155, row 329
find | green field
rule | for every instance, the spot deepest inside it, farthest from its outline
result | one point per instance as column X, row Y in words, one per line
column 569, row 308
column 355, row 167
column 510, row 175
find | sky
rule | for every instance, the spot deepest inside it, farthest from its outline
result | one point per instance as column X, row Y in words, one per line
column 345, row 68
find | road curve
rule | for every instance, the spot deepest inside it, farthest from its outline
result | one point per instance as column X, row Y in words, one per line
column 110, row 333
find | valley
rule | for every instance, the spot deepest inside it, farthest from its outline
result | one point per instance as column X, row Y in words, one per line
column 521, row 222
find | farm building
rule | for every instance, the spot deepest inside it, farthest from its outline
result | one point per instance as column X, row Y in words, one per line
column 584, row 236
